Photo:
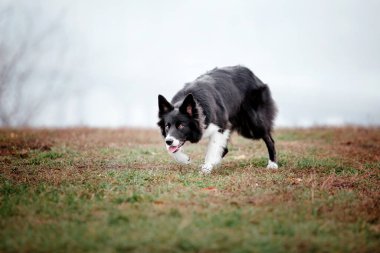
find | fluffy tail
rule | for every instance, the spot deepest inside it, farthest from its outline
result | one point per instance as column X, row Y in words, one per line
column 264, row 105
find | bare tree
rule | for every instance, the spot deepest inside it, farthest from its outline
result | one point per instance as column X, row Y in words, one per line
column 32, row 59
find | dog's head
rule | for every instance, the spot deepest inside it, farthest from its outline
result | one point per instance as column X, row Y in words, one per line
column 179, row 123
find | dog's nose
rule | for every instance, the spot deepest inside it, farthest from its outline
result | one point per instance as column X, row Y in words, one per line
column 169, row 142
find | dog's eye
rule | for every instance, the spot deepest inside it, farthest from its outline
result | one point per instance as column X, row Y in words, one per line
column 180, row 126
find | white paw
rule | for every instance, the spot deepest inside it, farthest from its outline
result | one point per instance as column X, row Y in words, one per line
column 184, row 159
column 272, row 165
column 181, row 158
column 206, row 168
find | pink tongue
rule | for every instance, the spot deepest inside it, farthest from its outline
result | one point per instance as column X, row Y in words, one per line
column 173, row 148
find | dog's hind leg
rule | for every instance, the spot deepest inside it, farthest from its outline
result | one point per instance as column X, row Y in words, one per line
column 269, row 142
column 216, row 150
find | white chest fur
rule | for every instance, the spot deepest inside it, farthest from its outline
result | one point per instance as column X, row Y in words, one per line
column 210, row 130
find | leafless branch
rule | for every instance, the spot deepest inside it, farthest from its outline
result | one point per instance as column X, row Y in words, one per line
column 22, row 66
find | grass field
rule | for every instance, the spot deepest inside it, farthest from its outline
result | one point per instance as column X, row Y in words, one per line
column 100, row 190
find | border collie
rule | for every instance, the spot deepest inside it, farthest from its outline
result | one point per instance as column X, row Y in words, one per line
column 212, row 106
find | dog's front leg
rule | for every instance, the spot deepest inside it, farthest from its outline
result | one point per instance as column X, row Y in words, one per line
column 180, row 157
column 217, row 148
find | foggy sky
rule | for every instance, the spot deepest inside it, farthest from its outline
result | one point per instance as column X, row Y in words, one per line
column 321, row 59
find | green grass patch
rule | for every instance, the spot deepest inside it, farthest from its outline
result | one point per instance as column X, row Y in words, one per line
column 131, row 197
column 330, row 165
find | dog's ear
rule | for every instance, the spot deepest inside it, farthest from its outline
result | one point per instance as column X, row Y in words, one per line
column 188, row 105
column 164, row 106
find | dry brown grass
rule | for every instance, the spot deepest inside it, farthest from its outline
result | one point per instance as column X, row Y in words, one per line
column 58, row 185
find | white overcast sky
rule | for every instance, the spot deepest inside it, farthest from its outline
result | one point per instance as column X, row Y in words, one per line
column 321, row 58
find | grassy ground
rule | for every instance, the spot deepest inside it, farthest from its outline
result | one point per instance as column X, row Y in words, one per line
column 96, row 190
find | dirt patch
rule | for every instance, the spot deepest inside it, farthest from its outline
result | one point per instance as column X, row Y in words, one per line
column 20, row 142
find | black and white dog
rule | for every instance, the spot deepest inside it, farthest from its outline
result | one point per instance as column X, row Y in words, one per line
column 215, row 104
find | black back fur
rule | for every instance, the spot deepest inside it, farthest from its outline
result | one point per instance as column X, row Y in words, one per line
column 230, row 97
